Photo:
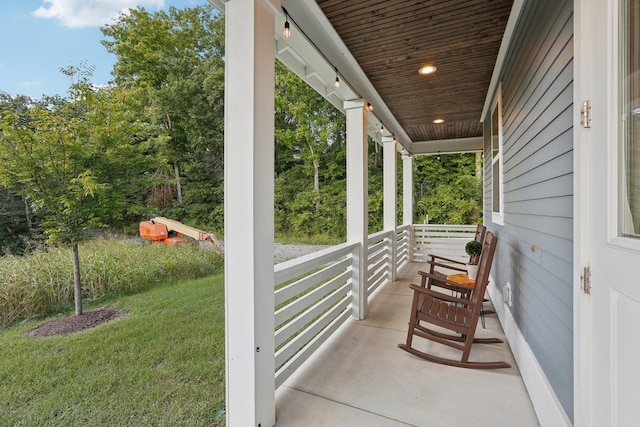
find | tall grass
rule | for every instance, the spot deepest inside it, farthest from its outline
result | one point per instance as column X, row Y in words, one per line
column 36, row 284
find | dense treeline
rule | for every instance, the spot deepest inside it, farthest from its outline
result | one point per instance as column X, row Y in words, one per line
column 152, row 143
column 448, row 189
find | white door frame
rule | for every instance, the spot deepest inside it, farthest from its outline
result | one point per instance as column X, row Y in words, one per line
column 605, row 373
column 581, row 220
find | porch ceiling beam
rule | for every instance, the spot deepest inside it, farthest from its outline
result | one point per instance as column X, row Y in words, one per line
column 443, row 146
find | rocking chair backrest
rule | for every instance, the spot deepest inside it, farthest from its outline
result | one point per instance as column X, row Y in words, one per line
column 480, row 232
column 479, row 236
column 484, row 267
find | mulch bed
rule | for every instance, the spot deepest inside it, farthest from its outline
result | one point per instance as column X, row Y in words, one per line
column 70, row 324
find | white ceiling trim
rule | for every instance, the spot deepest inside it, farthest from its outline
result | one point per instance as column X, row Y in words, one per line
column 448, row 146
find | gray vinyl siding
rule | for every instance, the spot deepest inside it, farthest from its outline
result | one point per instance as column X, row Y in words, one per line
column 537, row 116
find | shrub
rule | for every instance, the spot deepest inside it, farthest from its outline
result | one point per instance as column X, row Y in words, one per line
column 473, row 249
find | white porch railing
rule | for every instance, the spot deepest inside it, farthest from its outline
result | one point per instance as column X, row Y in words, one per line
column 312, row 298
column 378, row 259
column 445, row 240
column 313, row 293
column 404, row 253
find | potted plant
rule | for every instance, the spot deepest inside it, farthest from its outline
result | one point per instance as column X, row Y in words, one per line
column 473, row 249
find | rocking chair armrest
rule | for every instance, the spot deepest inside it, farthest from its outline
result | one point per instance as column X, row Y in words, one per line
column 434, row 257
column 452, row 284
column 440, row 295
column 437, row 264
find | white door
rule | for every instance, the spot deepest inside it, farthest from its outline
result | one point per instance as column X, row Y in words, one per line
column 607, row 320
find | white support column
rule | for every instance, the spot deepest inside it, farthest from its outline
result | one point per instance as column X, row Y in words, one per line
column 357, row 199
column 390, row 192
column 248, row 213
column 407, row 197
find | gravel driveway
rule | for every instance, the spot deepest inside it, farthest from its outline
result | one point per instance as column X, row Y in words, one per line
column 284, row 252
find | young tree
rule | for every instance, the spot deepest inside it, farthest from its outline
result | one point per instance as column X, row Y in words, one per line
column 73, row 161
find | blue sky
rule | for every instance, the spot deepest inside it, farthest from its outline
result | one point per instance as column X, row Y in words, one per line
column 41, row 36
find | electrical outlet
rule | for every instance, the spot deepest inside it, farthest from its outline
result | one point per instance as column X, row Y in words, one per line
column 507, row 295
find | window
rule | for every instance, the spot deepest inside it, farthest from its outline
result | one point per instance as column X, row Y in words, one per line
column 497, row 199
column 629, row 205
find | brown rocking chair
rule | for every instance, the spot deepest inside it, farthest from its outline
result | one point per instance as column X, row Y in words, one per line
column 459, row 315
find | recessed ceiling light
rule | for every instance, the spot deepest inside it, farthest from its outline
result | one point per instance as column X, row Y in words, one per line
column 427, row 69
column 438, row 121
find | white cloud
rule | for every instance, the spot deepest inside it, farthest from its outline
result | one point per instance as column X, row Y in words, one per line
column 29, row 84
column 89, row 13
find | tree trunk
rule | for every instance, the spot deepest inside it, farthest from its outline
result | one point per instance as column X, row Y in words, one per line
column 27, row 214
column 316, row 183
column 77, row 287
column 176, row 169
column 316, row 176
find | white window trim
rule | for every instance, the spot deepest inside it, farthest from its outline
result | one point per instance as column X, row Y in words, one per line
column 616, row 150
column 497, row 217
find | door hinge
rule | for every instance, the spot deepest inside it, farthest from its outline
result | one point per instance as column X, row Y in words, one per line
column 586, row 280
column 585, row 114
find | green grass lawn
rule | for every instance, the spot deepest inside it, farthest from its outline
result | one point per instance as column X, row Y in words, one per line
column 162, row 365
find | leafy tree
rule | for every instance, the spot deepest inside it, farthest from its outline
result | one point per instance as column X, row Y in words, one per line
column 175, row 62
column 74, row 161
column 15, row 215
column 310, row 160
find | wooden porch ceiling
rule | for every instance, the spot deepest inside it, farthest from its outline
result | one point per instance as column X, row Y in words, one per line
column 392, row 39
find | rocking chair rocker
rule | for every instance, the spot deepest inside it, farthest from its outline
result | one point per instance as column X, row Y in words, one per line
column 459, row 315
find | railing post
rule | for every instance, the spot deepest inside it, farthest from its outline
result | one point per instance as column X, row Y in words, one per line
column 410, row 242
column 390, row 192
column 357, row 201
column 407, row 199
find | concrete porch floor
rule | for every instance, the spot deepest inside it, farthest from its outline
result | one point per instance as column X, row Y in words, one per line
column 359, row 377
